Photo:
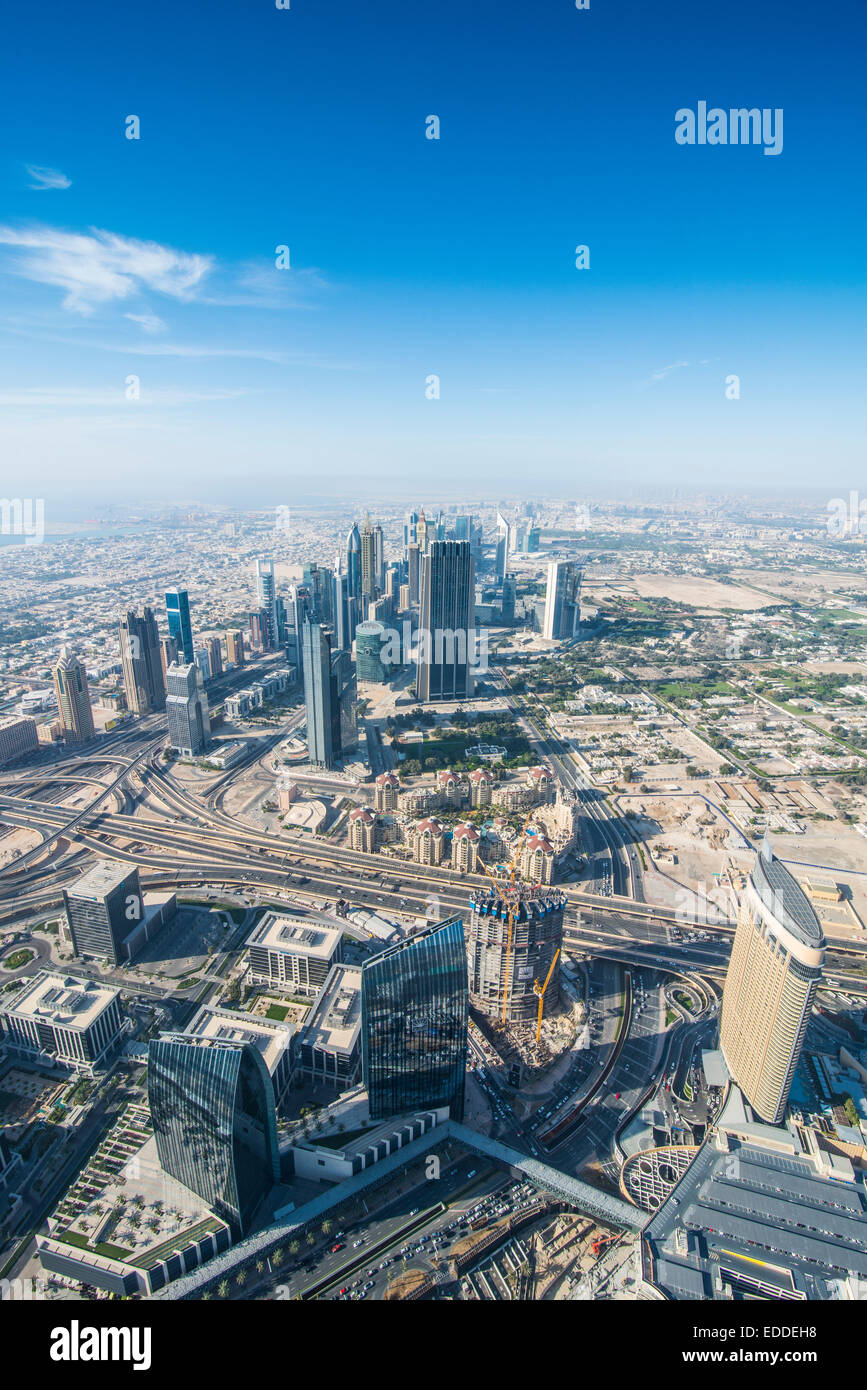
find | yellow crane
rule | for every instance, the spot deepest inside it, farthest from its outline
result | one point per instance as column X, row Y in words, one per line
column 511, row 915
column 539, row 991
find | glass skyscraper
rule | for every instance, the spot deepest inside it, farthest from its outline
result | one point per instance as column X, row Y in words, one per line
column 414, row 1023
column 214, row 1117
column 180, row 627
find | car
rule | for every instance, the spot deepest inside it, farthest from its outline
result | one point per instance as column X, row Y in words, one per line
column 335, row 1248
column 356, row 1243
column 414, row 1211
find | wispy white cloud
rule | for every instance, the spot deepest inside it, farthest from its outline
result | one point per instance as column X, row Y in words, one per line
column 44, row 397
column 102, row 267
column 45, row 179
column 663, row 372
column 151, row 323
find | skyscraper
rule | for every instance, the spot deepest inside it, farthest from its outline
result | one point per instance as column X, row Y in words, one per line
column 446, row 638
column 215, row 656
column 316, row 651
column 353, row 563
column 413, row 571
column 371, row 559
column 214, row 1117
column 235, row 647
column 187, row 710
column 370, row 639
column 168, row 654
column 771, row 982
column 414, row 1012
column 180, row 627
column 142, row 667
column 73, row 698
column 266, row 598
column 562, row 600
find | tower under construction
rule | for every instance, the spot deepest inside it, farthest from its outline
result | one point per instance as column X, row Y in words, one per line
column 504, row 964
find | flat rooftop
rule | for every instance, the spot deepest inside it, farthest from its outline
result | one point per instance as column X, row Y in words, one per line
column 62, row 999
column 751, row 1218
column 334, row 1022
column 269, row 1036
column 296, row 937
column 101, row 879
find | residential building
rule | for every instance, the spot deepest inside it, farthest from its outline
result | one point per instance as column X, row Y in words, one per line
column 387, row 791
column 363, row 830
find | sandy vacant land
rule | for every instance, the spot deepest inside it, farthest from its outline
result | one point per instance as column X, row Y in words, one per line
column 815, row 586
column 698, row 592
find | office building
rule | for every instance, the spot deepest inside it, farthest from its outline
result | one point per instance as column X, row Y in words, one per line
column 344, row 612
column 73, row 698
column 316, row 660
column 140, row 656
column 329, row 1042
column 414, row 1013
column 274, row 1038
column 203, row 661
column 102, row 908
column 771, row 983
column 180, row 626
column 292, row 955
column 423, row 535
column 446, row 637
column 53, row 1019
column 503, row 965
column 214, row 1116
column 370, row 639
column 235, row 647
column 507, row 600
column 562, row 600
column 17, row 738
column 187, row 710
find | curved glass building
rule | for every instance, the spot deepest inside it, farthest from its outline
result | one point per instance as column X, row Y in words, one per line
column 771, row 982
column 369, row 641
column 214, row 1118
column 414, row 1012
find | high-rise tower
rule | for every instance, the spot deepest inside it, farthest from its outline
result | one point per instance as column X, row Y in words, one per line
column 142, row 665
column 180, row 627
column 447, row 634
column 73, row 698
column 771, row 982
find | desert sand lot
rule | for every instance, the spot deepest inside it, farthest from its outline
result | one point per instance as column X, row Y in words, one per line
column 813, row 587
column 698, row 592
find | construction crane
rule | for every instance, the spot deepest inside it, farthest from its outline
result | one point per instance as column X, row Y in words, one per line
column 539, row 991
column 511, row 914
column 600, row 1241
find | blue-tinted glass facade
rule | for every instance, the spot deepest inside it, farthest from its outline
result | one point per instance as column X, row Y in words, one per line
column 414, row 1023
column 214, row 1117
column 180, row 627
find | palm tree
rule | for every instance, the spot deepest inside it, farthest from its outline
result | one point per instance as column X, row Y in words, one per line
column 277, row 1258
column 241, row 1278
column 294, row 1247
column 327, row 1227
column 310, row 1238
column 260, row 1266
column 223, row 1288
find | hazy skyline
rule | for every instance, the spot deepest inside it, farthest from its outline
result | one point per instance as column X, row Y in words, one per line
column 412, row 257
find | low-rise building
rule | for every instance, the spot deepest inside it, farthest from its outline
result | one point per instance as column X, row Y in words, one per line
column 293, row 954
column 58, row 1020
column 329, row 1042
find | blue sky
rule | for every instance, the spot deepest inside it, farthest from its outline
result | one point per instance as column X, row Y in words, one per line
column 412, row 257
